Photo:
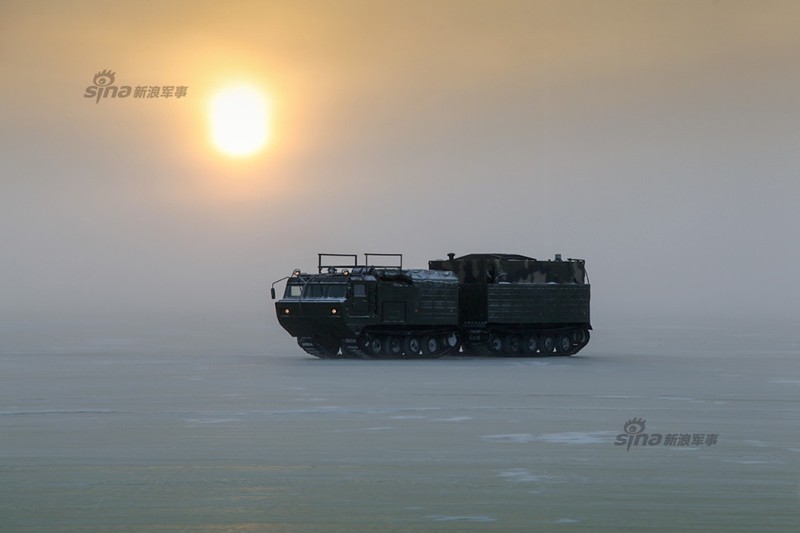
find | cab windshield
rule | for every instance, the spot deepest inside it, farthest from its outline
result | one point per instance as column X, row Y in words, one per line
column 325, row 290
column 315, row 290
column 293, row 291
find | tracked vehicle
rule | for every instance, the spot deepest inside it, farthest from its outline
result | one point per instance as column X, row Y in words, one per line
column 482, row 304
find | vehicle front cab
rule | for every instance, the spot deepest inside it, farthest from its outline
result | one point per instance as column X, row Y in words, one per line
column 314, row 304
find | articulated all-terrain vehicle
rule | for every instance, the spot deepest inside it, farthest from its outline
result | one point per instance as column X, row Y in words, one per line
column 482, row 304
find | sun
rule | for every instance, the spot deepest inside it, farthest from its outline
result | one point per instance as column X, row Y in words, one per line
column 239, row 119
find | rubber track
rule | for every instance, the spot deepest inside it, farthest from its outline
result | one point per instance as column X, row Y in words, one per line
column 351, row 348
column 312, row 348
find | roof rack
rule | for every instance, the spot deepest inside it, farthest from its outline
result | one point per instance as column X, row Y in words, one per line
column 336, row 261
column 399, row 258
column 336, row 264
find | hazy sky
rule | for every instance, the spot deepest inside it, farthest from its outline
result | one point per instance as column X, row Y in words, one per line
column 656, row 139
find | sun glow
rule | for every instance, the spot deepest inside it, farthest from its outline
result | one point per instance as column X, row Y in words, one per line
column 239, row 121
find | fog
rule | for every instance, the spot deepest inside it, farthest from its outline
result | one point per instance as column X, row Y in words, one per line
column 655, row 140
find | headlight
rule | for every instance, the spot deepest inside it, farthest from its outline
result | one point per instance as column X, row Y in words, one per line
column 285, row 310
column 334, row 311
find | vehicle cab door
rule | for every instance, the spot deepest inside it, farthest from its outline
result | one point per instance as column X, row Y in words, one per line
column 363, row 295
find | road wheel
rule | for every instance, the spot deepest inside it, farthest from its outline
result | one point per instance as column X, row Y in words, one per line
column 431, row 346
column 531, row 344
column 450, row 341
column 512, row 344
column 412, row 346
column 581, row 337
column 495, row 343
column 546, row 344
column 394, row 346
column 564, row 344
column 375, row 346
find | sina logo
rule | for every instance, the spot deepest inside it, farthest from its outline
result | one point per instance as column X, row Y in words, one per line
column 103, row 87
column 634, row 435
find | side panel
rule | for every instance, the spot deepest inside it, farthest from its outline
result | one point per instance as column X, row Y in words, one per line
column 437, row 304
column 394, row 312
column 421, row 304
column 538, row 304
column 393, row 302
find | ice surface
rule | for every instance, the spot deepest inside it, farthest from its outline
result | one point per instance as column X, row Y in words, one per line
column 121, row 432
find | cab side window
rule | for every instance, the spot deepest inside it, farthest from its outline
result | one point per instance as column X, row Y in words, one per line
column 337, row 291
column 359, row 290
